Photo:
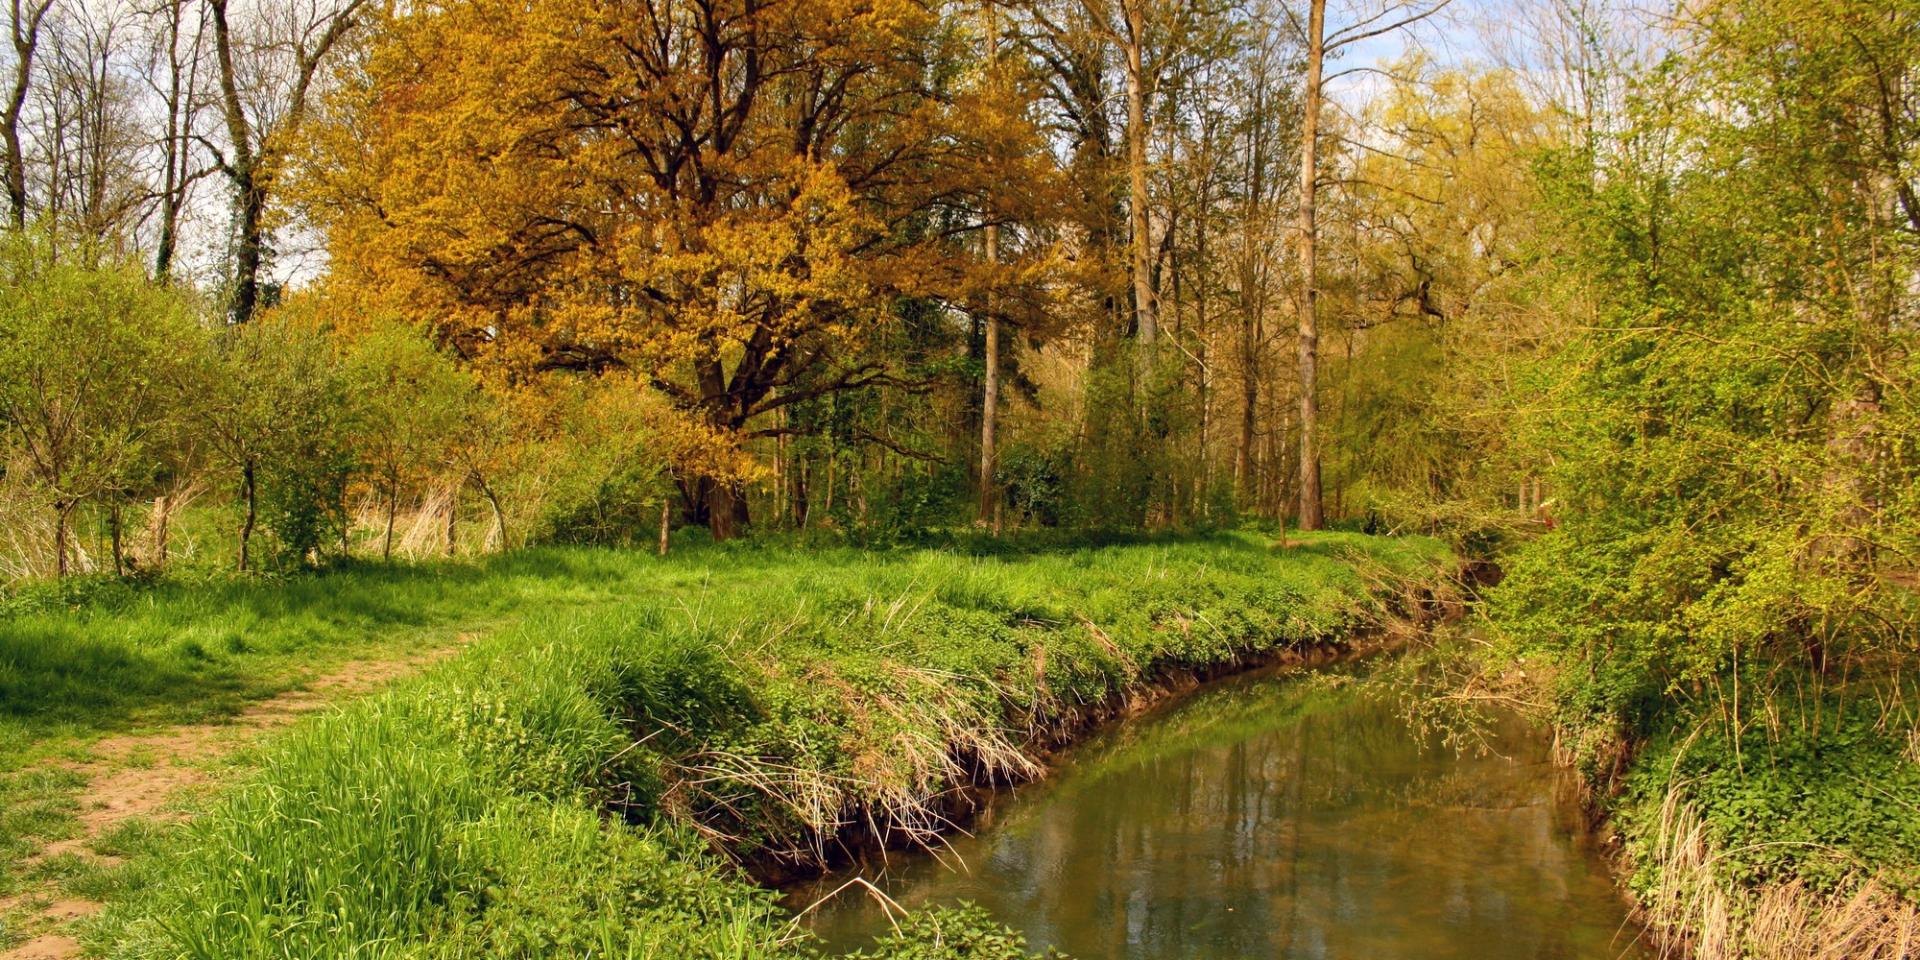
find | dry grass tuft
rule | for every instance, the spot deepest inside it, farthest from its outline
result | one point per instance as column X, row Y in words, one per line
column 1695, row 912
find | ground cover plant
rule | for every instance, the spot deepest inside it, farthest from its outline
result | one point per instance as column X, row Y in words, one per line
column 578, row 783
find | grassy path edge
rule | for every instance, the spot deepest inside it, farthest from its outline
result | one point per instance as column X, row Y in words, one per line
column 466, row 812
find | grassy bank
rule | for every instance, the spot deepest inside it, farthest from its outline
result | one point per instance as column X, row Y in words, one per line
column 1784, row 825
column 579, row 783
column 1789, row 832
column 90, row 658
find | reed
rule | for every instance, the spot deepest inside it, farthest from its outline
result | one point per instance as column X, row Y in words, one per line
column 1696, row 910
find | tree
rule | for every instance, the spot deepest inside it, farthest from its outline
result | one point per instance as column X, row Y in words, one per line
column 1732, row 433
column 89, row 130
column 408, row 402
column 1255, row 241
column 1441, row 303
column 92, row 367
column 266, row 82
column 990, row 388
column 780, row 172
column 24, row 22
column 278, row 416
column 179, row 49
column 1320, row 45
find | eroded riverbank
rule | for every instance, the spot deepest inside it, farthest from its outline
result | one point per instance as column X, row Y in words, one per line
column 1274, row 815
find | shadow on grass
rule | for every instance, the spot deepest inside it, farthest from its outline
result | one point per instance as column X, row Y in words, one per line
column 98, row 655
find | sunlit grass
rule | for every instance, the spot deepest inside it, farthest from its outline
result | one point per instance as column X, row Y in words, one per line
column 558, row 788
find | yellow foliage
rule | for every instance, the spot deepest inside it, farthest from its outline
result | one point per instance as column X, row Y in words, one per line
column 725, row 200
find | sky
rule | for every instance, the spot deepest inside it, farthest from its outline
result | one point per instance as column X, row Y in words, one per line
column 1457, row 35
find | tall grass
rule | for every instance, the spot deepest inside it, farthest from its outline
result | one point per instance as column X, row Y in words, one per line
column 96, row 655
column 575, row 785
column 1793, row 843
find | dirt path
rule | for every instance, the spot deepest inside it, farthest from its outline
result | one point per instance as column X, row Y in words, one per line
column 144, row 775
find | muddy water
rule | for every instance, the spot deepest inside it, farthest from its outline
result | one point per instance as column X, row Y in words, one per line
column 1275, row 817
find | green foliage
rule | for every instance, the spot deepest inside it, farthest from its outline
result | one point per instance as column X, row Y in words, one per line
column 1829, row 799
column 94, row 371
column 280, row 428
column 408, row 402
column 964, row 932
column 1731, row 433
column 1729, row 441
column 1036, row 474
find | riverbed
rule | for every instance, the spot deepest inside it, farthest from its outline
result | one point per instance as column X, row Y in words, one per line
column 1274, row 816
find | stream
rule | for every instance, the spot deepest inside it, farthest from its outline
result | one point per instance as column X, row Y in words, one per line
column 1273, row 816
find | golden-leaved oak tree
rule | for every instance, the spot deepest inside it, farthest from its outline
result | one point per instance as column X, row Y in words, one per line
column 725, row 197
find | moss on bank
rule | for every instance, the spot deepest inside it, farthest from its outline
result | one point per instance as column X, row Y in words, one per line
column 562, row 788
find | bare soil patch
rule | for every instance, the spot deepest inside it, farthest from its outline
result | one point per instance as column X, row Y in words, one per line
column 145, row 775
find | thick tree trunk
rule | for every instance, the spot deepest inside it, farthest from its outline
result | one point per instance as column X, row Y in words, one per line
column 249, row 194
column 1146, row 319
column 250, row 246
column 726, row 509
column 1311, row 515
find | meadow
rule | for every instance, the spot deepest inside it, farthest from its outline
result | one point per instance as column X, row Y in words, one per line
column 627, row 742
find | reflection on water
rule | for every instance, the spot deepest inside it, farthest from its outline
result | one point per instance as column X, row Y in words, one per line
column 1276, row 818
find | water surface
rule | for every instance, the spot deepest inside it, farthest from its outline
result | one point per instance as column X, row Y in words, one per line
column 1282, row 817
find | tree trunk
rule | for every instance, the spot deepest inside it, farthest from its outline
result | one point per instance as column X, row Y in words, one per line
column 24, row 32
column 249, row 194
column 393, row 507
column 157, row 532
column 174, row 147
column 1311, row 516
column 61, row 510
column 726, row 509
column 251, row 246
column 801, row 507
column 453, row 520
column 1249, row 406
column 1146, row 318
column 666, row 527
column 113, row 534
column 499, row 515
column 990, row 390
column 246, row 525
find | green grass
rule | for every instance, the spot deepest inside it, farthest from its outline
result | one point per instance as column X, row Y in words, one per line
column 560, row 789
column 79, row 660
column 92, row 657
column 36, row 806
